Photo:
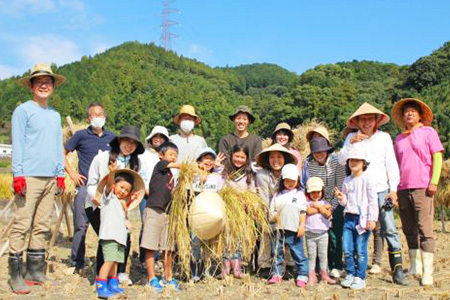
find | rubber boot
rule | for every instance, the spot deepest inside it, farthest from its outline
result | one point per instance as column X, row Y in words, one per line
column 226, row 267
column 427, row 258
column 236, row 263
column 395, row 261
column 326, row 278
column 101, row 286
column 312, row 279
column 113, row 285
column 17, row 282
column 36, row 267
column 415, row 260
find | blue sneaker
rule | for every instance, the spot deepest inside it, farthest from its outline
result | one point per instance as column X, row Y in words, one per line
column 173, row 283
column 358, row 283
column 348, row 281
column 154, row 285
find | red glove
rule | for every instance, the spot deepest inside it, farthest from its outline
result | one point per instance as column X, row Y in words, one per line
column 61, row 186
column 20, row 186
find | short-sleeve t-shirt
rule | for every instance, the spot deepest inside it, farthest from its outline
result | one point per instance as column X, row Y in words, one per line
column 112, row 220
column 415, row 157
column 160, row 187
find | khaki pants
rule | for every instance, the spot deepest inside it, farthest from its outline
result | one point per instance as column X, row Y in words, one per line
column 416, row 212
column 33, row 212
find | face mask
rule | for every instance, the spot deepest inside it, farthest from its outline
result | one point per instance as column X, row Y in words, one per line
column 98, row 122
column 187, row 126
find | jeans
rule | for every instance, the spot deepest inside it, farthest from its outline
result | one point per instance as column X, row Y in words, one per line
column 355, row 244
column 387, row 223
column 295, row 245
column 142, row 206
column 80, row 224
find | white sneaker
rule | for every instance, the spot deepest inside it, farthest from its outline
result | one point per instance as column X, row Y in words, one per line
column 336, row 273
column 358, row 283
column 375, row 269
column 348, row 281
column 124, row 279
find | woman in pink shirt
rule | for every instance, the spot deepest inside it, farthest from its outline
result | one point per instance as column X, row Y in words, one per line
column 419, row 154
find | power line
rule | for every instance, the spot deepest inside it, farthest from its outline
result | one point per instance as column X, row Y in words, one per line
column 166, row 35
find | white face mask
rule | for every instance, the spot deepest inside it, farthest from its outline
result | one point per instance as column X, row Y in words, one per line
column 98, row 122
column 187, row 126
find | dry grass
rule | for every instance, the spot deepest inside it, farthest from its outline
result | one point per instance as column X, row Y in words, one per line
column 6, row 188
column 72, row 157
column 443, row 193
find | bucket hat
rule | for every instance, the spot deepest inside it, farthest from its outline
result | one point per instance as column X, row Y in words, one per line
column 187, row 110
column 264, row 155
column 138, row 187
column 357, row 153
column 243, row 109
column 365, row 109
column 282, row 126
column 158, row 130
column 314, row 184
column 320, row 130
column 426, row 116
column 205, row 151
column 131, row 132
column 41, row 69
column 319, row 144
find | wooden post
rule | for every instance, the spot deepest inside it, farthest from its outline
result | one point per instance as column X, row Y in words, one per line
column 7, row 229
column 58, row 223
column 67, row 218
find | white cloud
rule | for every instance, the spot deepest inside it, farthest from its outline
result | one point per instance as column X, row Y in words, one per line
column 99, row 48
column 7, row 71
column 16, row 7
column 199, row 52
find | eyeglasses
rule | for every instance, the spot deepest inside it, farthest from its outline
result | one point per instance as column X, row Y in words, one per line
column 42, row 82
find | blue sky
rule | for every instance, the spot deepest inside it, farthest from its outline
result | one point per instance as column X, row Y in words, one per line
column 295, row 34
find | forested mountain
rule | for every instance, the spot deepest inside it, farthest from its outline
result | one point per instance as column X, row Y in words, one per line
column 145, row 85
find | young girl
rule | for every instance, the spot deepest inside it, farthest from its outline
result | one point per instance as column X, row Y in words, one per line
column 359, row 197
column 288, row 214
column 318, row 214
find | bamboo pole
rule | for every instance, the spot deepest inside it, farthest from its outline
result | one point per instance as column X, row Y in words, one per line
column 4, row 248
column 7, row 229
column 58, row 223
column 67, row 219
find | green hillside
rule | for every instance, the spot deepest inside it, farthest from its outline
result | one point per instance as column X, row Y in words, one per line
column 145, row 85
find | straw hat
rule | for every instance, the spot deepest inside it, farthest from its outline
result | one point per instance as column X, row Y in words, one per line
column 314, row 184
column 320, row 130
column 207, row 215
column 426, row 116
column 158, row 130
column 282, row 126
column 243, row 109
column 138, row 187
column 41, row 70
column 365, row 109
column 264, row 155
column 187, row 110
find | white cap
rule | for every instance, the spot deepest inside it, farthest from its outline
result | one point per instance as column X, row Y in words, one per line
column 158, row 130
column 290, row 171
column 314, row 184
column 205, row 151
column 357, row 153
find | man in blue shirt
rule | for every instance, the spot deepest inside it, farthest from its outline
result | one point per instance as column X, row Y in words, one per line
column 87, row 142
column 38, row 171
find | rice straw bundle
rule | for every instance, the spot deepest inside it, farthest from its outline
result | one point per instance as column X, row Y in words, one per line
column 6, row 189
column 443, row 192
column 72, row 157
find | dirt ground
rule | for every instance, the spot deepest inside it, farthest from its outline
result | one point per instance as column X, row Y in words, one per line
column 63, row 286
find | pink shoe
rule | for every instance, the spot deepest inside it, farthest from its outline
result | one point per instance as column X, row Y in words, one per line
column 225, row 269
column 276, row 279
column 236, row 265
column 300, row 283
column 326, row 278
column 312, row 279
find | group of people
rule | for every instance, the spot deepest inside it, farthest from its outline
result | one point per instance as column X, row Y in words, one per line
column 330, row 200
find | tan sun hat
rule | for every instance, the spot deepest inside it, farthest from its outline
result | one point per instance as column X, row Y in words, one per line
column 187, row 110
column 314, row 184
column 320, row 130
column 366, row 109
column 138, row 187
column 41, row 70
column 264, row 155
column 426, row 115
column 282, row 126
column 207, row 215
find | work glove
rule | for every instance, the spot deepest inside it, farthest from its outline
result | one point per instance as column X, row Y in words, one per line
column 60, row 186
column 20, row 186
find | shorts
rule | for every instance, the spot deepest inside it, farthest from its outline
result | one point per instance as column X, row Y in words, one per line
column 113, row 251
column 156, row 230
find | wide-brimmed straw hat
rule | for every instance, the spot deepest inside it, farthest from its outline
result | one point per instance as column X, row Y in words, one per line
column 264, row 155
column 426, row 116
column 282, row 126
column 138, row 187
column 320, row 130
column 207, row 215
column 366, row 109
column 133, row 133
column 158, row 130
column 187, row 110
column 243, row 109
column 41, row 70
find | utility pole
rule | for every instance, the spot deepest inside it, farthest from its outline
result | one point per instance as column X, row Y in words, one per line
column 167, row 24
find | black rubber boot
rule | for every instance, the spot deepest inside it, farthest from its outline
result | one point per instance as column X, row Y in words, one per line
column 17, row 282
column 395, row 261
column 36, row 267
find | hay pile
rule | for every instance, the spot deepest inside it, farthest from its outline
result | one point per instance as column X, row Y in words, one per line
column 443, row 192
column 6, row 187
column 72, row 157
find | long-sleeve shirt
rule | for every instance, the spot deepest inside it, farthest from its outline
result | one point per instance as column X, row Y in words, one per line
column 383, row 167
column 36, row 141
column 266, row 184
column 188, row 147
column 360, row 198
column 251, row 141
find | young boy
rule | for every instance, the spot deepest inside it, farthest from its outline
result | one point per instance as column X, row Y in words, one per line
column 156, row 218
column 113, row 229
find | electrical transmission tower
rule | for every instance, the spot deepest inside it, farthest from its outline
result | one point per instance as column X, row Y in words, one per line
column 167, row 23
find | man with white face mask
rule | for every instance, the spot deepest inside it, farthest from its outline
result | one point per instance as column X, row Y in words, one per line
column 187, row 142
column 87, row 142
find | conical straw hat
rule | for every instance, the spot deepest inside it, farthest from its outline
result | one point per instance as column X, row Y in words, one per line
column 426, row 116
column 207, row 215
column 365, row 109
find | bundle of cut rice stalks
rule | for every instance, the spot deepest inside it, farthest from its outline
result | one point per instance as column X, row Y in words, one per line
column 72, row 157
column 6, row 186
column 443, row 192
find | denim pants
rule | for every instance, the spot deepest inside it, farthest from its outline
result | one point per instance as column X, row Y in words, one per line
column 355, row 244
column 387, row 223
column 295, row 245
column 80, row 226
